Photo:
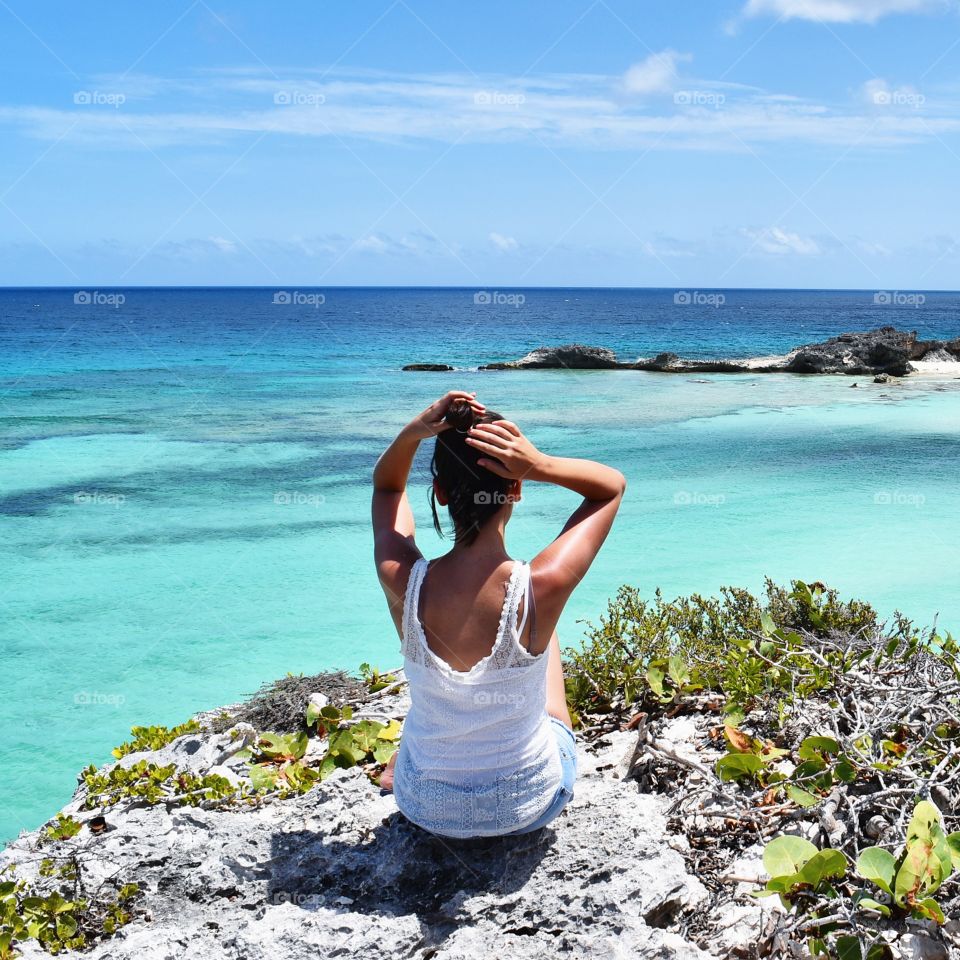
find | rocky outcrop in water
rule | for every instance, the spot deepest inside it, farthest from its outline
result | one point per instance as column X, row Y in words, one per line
column 885, row 350
column 572, row 356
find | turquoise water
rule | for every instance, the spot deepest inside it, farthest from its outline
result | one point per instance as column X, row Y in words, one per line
column 184, row 484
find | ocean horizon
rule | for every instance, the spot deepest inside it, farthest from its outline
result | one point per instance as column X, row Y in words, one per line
column 185, row 477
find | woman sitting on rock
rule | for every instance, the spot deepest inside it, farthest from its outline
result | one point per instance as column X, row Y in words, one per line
column 487, row 748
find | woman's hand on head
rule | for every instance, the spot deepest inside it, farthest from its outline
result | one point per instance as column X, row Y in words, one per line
column 431, row 422
column 508, row 453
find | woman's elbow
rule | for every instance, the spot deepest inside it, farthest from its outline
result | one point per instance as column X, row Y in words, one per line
column 621, row 483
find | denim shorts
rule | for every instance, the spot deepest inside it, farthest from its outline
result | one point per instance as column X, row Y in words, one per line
column 567, row 746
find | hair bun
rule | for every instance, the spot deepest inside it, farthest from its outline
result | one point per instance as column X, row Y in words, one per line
column 460, row 416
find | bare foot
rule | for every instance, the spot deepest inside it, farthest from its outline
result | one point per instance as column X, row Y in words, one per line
column 386, row 778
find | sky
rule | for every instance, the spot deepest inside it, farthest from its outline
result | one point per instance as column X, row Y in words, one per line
column 735, row 143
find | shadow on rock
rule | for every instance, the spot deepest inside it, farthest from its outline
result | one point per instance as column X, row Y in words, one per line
column 399, row 869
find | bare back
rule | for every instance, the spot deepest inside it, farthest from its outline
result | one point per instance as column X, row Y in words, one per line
column 461, row 603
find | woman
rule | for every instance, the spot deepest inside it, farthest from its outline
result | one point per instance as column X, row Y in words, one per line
column 488, row 747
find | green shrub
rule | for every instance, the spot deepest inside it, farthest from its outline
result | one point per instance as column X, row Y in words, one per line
column 153, row 738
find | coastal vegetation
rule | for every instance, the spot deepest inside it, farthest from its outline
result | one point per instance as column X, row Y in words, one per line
column 818, row 739
column 834, row 737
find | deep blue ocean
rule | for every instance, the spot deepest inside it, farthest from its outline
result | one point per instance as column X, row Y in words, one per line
column 184, row 479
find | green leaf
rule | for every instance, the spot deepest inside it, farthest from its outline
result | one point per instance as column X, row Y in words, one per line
column 927, row 862
column 384, row 751
column 390, row 732
column 767, row 623
column 868, row 903
column 845, row 771
column 299, row 744
column 678, row 669
column 786, row 855
column 785, row 883
column 813, row 747
column 656, row 674
column 823, row 864
column 364, row 735
column 848, row 948
column 733, row 766
column 801, row 797
column 263, row 776
column 327, row 767
column 953, row 844
column 928, row 909
column 878, row 866
column 66, row 926
column 344, row 750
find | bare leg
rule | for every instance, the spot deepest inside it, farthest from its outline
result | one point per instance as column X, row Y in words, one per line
column 386, row 778
column 556, row 694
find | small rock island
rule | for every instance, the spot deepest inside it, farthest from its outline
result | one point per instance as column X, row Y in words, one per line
column 884, row 351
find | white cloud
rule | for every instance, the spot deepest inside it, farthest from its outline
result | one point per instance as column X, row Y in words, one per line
column 223, row 245
column 777, row 241
column 583, row 110
column 505, row 244
column 656, row 74
column 665, row 246
column 372, row 244
column 871, row 248
column 380, row 243
column 837, row 11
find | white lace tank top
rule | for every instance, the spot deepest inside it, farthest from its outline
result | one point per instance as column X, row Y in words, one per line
column 478, row 756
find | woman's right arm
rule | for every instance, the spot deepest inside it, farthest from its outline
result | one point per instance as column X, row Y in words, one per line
column 562, row 565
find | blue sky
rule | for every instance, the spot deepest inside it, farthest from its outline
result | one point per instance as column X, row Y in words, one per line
column 774, row 143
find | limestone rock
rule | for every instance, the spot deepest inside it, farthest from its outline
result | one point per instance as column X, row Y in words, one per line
column 571, row 356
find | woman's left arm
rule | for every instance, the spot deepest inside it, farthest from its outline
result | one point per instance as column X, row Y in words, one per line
column 394, row 546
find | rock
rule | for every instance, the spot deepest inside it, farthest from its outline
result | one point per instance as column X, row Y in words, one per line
column 885, row 350
column 340, row 872
column 882, row 378
column 571, row 356
column 940, row 355
column 661, row 362
column 671, row 363
column 428, row 367
column 917, row 946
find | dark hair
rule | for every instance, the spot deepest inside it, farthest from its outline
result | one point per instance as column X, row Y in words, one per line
column 474, row 493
